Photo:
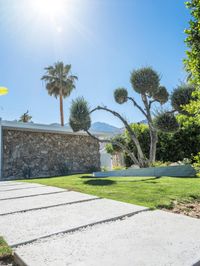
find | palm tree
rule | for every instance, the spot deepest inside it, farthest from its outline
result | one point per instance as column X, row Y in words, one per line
column 59, row 83
column 25, row 118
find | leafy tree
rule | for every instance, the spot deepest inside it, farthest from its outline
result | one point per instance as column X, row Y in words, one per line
column 25, row 118
column 59, row 83
column 171, row 147
column 192, row 62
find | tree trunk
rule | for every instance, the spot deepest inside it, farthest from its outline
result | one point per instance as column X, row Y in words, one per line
column 154, row 139
column 152, row 130
column 61, row 111
column 142, row 161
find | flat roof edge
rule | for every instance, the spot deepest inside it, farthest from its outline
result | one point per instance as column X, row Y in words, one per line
column 46, row 128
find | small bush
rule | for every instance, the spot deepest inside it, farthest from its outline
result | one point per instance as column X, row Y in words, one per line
column 115, row 168
column 160, row 164
column 104, row 169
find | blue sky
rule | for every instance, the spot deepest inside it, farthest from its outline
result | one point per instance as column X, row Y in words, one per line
column 104, row 40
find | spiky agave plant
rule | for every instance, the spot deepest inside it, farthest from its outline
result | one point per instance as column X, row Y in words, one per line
column 79, row 115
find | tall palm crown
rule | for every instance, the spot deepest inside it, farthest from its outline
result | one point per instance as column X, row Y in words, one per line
column 59, row 82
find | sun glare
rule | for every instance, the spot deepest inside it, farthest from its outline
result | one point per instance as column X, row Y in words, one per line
column 48, row 8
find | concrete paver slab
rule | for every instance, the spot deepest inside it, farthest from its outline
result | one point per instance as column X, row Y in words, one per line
column 153, row 238
column 17, row 187
column 27, row 226
column 9, row 183
column 28, row 192
column 24, row 204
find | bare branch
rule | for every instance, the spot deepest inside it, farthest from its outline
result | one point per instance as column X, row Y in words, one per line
column 137, row 105
column 123, row 147
column 133, row 136
column 151, row 102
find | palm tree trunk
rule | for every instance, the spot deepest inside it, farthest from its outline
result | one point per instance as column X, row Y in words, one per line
column 61, row 110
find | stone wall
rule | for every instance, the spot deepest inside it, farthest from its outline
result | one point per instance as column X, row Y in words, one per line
column 36, row 154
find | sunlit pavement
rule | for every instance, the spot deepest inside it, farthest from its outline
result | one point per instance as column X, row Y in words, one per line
column 52, row 226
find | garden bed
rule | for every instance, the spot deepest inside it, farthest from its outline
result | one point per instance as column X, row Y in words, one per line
column 189, row 208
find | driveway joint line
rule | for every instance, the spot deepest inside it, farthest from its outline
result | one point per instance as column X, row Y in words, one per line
column 35, row 195
column 50, row 206
column 113, row 219
column 21, row 188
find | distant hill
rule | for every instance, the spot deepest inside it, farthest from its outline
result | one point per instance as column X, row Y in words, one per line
column 104, row 127
column 97, row 127
column 143, row 121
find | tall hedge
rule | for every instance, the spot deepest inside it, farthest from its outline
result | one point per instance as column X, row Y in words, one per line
column 172, row 147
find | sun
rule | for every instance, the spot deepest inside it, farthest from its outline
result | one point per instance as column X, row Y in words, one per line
column 48, row 8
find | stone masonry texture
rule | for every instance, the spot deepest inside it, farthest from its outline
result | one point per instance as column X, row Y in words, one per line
column 29, row 154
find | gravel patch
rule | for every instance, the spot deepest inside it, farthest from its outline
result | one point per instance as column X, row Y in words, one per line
column 24, row 204
column 28, row 192
column 191, row 209
column 26, row 226
column 153, row 238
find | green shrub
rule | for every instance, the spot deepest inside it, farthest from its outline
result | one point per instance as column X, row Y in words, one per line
column 115, row 168
column 196, row 163
column 160, row 164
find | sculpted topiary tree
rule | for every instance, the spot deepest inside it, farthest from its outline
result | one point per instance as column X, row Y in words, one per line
column 145, row 82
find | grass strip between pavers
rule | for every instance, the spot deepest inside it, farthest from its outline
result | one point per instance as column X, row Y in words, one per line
column 5, row 250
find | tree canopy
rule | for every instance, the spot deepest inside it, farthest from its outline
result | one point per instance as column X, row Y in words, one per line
column 192, row 62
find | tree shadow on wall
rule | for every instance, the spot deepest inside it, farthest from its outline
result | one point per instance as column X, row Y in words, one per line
column 99, row 182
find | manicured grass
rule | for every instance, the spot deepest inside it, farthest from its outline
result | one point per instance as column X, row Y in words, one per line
column 147, row 191
column 5, row 250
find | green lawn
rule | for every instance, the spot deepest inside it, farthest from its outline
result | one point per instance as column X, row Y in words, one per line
column 147, row 191
column 5, row 250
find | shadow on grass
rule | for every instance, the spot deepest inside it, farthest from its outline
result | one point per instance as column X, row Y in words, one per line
column 87, row 176
column 99, row 182
column 143, row 180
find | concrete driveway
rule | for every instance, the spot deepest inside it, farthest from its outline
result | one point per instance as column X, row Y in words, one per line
column 52, row 226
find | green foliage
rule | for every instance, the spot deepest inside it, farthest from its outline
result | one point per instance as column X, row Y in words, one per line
column 185, row 143
column 196, row 164
column 25, row 118
column 193, row 108
column 117, row 168
column 171, row 147
column 120, row 95
column 59, row 80
column 181, row 96
column 192, row 62
column 145, row 80
column 166, row 122
column 161, row 95
column 104, row 169
column 79, row 115
column 142, row 133
column 5, row 250
column 160, row 164
column 111, row 148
